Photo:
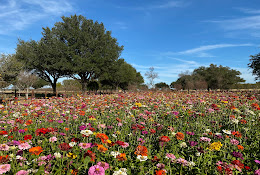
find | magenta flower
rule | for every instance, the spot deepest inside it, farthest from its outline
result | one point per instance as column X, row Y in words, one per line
column 53, row 139
column 22, row 172
column 96, row 170
column 257, row 161
column 82, row 127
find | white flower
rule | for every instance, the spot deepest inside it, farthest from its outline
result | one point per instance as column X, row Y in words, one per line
column 86, row 132
column 198, row 154
column 142, row 158
column 173, row 134
column 57, row 155
column 218, row 134
column 207, row 130
column 71, row 144
column 235, row 121
column 122, row 171
column 226, row 131
column 183, row 145
column 114, row 135
column 115, row 153
column 191, row 164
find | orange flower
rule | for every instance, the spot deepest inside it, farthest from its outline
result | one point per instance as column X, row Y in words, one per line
column 102, row 136
column 82, row 113
column 66, row 129
column 101, row 148
column 28, row 122
column 243, row 121
column 160, row 172
column 237, row 134
column 141, row 150
column 179, row 136
column 121, row 157
column 240, row 147
column 36, row 150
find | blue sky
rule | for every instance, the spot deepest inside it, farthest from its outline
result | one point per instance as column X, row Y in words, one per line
column 171, row 35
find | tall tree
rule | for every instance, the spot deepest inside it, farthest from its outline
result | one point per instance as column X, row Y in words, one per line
column 91, row 49
column 122, row 75
column 255, row 65
column 218, row 77
column 47, row 58
column 151, row 75
column 10, row 67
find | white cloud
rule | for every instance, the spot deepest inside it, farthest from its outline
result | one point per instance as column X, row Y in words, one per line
column 249, row 11
column 211, row 47
column 19, row 14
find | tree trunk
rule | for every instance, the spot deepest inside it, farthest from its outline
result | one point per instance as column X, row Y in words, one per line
column 84, row 86
column 54, row 87
column 26, row 94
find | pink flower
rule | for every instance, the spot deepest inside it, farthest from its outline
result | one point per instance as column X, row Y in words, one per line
column 53, row 139
column 24, row 146
column 5, row 168
column 104, row 165
column 96, row 170
column 205, row 139
column 170, row 156
column 4, row 147
column 234, row 141
column 125, row 145
column 85, row 145
column 182, row 161
column 22, row 172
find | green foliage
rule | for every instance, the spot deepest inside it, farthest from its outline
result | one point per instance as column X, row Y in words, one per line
column 162, row 85
column 47, row 57
column 212, row 77
column 10, row 67
column 71, row 84
column 255, row 65
column 218, row 77
column 40, row 83
column 91, row 49
column 121, row 74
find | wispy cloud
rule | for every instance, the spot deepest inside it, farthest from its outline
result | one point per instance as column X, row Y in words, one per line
column 16, row 15
column 169, row 4
column 158, row 6
column 249, row 11
column 210, row 47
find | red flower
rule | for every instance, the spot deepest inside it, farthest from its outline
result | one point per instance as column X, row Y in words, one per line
column 3, row 132
column 152, row 131
column 64, row 146
column 247, row 168
column 164, row 139
column 27, row 137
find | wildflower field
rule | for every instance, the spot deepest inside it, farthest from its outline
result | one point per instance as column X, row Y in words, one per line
column 132, row 133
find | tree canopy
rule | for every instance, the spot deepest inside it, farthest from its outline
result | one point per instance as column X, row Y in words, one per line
column 255, row 65
column 76, row 47
column 91, row 49
column 212, row 77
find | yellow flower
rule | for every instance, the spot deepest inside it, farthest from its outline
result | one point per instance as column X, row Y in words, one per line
column 71, row 155
column 215, row 146
column 118, row 132
column 138, row 104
